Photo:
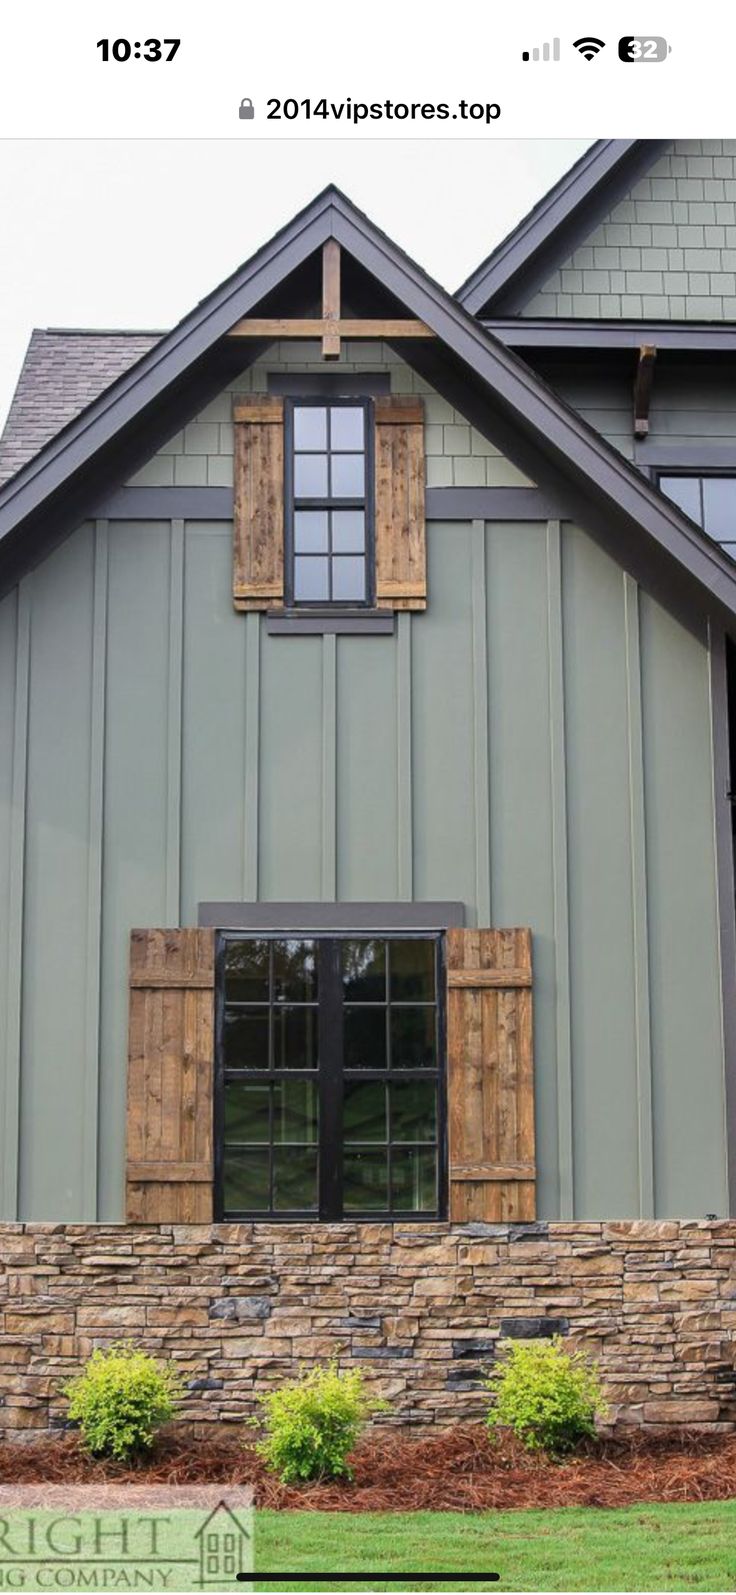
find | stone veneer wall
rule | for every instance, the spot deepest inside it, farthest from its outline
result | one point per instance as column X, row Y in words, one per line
column 421, row 1306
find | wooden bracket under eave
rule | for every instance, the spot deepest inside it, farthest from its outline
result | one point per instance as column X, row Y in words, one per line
column 643, row 383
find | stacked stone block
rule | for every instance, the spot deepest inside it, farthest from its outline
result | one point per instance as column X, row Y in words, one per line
column 422, row 1308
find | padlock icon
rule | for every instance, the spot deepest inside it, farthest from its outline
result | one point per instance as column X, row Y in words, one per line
column 246, row 112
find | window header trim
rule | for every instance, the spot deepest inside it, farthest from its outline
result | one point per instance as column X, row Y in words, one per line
column 297, row 918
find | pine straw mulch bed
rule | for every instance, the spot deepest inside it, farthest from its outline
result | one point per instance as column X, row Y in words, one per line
column 458, row 1469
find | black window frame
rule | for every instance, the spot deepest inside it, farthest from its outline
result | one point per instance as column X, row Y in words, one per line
column 367, row 503
column 330, row 1076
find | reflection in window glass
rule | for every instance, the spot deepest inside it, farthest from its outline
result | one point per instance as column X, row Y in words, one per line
column 348, row 579
column 311, row 531
column 310, row 426
column 311, row 579
column 347, row 427
column 365, row 1181
column 310, row 476
column 719, row 507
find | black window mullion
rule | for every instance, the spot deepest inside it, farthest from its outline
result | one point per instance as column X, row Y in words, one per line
column 330, row 1080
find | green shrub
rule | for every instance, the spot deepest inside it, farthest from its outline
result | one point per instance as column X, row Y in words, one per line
column 548, row 1396
column 119, row 1401
column 311, row 1424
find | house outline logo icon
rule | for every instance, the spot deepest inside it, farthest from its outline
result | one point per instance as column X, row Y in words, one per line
column 222, row 1541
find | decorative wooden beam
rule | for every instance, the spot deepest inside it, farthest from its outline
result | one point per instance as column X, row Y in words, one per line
column 318, row 327
column 331, row 298
column 643, row 382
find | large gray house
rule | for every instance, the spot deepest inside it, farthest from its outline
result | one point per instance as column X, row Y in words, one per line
column 366, row 721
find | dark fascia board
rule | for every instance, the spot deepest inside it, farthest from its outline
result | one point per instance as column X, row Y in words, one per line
column 513, row 272
column 695, row 337
column 509, row 397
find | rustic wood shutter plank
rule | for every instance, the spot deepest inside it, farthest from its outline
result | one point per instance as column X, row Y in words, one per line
column 170, row 1162
column 258, row 516
column 401, row 559
column 491, row 1075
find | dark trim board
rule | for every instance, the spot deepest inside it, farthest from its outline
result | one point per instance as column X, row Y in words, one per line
column 336, row 622
column 166, row 504
column 348, row 917
column 722, row 780
column 329, row 384
column 527, row 332
column 707, row 454
column 492, row 504
column 216, row 504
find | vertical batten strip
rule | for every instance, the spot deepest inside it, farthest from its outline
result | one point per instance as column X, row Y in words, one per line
column 481, row 779
column 723, row 841
column 560, row 877
column 252, row 755
column 642, row 1017
column 11, row 1104
column 404, row 815
column 174, row 718
column 328, row 878
column 94, row 873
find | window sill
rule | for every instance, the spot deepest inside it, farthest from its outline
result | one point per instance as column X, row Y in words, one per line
column 326, row 622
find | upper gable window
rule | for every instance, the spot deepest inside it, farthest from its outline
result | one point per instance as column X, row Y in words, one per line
column 329, row 515
column 329, row 502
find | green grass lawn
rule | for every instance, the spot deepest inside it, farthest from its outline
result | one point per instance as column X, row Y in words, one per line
column 636, row 1548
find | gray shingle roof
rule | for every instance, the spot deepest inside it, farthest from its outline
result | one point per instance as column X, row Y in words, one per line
column 63, row 371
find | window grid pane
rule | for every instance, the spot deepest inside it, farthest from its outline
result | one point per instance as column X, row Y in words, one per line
column 329, row 563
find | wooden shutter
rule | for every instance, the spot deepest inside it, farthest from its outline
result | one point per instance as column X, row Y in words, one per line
column 490, row 1075
column 258, row 566
column 401, row 555
column 170, row 1172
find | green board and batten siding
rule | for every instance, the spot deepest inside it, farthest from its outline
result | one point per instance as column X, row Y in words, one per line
column 536, row 744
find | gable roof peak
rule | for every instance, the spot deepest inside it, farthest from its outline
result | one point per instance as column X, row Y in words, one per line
column 509, row 277
column 52, row 493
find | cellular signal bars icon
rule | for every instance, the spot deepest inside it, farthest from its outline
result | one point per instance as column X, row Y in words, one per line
column 544, row 52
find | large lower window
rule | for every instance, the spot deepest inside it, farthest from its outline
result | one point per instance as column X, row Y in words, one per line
column 329, row 1100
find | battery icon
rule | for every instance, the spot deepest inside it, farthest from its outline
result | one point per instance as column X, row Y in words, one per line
column 637, row 47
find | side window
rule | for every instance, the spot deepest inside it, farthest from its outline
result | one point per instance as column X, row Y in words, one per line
column 708, row 500
column 329, row 508
column 330, row 1097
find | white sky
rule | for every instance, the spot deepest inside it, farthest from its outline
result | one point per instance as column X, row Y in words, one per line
column 131, row 233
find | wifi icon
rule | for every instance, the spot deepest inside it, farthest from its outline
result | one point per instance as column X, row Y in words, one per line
column 590, row 48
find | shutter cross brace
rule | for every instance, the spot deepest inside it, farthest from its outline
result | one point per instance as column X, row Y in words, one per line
column 331, row 326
